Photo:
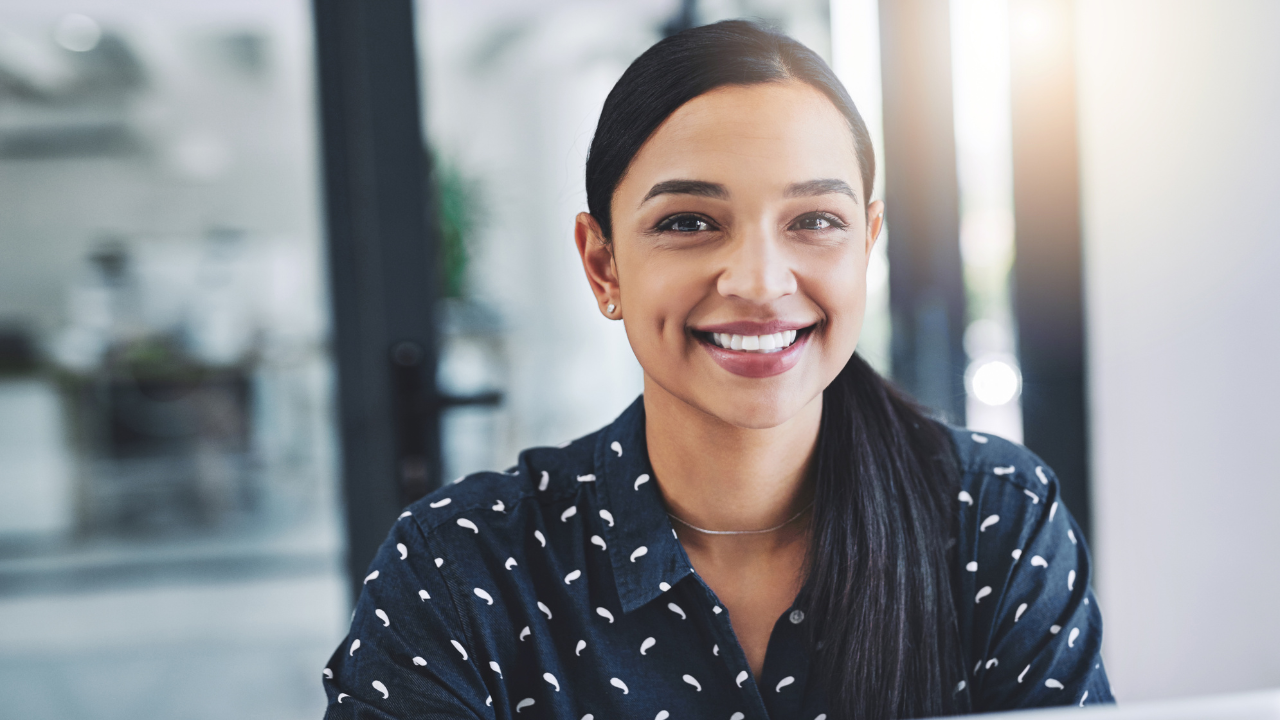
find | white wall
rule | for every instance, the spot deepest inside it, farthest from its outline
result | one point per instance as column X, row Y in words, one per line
column 1180, row 126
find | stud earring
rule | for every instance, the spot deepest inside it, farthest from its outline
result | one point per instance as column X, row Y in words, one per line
column 611, row 308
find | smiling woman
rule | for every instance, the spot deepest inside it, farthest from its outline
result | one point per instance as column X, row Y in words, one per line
column 738, row 217
column 834, row 553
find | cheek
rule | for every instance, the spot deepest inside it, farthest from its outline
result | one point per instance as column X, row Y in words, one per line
column 659, row 290
column 838, row 284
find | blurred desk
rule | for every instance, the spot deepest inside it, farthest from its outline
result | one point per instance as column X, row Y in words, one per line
column 1264, row 705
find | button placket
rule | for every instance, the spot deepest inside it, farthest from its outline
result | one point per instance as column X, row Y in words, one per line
column 731, row 654
column 784, row 681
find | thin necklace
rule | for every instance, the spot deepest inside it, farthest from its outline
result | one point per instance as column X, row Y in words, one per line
column 743, row 532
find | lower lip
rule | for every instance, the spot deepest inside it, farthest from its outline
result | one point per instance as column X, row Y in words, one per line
column 756, row 364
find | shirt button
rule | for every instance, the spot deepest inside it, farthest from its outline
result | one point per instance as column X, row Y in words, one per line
column 797, row 617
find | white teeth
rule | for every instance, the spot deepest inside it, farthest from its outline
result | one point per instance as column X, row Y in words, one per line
column 756, row 343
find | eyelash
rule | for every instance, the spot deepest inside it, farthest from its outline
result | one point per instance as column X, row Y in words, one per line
column 668, row 224
column 834, row 222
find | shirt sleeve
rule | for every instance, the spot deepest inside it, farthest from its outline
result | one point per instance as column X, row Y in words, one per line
column 406, row 655
column 1044, row 637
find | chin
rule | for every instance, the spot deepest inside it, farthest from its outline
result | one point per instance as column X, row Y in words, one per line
column 760, row 410
column 748, row 403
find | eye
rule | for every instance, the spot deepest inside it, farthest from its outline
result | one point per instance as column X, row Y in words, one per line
column 817, row 221
column 684, row 224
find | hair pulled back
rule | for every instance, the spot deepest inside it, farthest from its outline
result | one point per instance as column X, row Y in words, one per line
column 692, row 63
column 877, row 585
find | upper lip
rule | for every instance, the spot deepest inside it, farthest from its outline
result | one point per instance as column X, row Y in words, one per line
column 748, row 327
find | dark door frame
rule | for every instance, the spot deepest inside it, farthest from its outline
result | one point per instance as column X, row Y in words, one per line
column 922, row 204
column 382, row 264
column 1048, row 271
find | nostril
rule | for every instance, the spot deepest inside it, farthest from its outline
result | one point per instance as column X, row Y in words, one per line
column 760, row 282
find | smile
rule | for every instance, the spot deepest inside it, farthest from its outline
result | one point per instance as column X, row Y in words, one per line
column 757, row 355
column 755, row 343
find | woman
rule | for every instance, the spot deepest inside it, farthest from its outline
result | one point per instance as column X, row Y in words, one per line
column 771, row 530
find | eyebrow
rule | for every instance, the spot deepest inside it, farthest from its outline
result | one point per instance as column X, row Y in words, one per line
column 826, row 186
column 702, row 188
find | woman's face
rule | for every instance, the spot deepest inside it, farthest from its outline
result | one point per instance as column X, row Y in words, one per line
column 740, row 242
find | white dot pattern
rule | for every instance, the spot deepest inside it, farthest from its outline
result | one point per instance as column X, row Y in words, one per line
column 558, row 589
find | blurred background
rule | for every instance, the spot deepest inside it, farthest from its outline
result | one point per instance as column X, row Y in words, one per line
column 272, row 269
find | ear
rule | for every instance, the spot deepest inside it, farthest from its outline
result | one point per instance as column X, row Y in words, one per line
column 597, row 261
column 875, row 223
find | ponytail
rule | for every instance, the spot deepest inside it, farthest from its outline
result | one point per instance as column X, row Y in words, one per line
column 878, row 585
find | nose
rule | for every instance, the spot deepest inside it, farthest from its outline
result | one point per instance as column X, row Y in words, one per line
column 757, row 269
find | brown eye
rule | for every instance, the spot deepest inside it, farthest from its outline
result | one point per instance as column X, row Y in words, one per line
column 684, row 224
column 816, row 221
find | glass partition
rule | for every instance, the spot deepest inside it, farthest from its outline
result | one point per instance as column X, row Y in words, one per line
column 169, row 542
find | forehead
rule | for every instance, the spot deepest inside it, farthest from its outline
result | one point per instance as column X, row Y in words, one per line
column 768, row 135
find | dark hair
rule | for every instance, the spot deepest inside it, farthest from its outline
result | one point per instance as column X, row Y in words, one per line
column 691, row 63
column 877, row 585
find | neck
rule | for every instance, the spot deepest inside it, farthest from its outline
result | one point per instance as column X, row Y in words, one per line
column 719, row 476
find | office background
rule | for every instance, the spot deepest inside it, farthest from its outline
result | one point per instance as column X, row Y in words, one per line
column 270, row 269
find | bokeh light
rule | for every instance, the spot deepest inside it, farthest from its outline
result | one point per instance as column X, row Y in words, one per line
column 77, row 33
column 994, row 382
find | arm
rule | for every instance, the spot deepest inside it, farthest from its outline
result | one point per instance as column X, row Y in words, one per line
column 406, row 655
column 1043, row 636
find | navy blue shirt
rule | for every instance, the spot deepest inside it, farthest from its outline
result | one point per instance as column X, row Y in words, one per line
column 559, row 590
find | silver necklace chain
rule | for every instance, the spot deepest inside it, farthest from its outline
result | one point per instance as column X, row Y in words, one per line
column 691, row 526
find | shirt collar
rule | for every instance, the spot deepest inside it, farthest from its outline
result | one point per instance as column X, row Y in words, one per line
column 647, row 557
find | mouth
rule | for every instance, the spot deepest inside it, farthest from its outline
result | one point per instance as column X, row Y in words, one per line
column 759, row 355
column 766, row 343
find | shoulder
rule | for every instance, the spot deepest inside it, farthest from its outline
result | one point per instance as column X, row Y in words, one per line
column 1021, row 573
column 542, row 479
column 990, row 464
column 1007, row 495
column 1009, row 506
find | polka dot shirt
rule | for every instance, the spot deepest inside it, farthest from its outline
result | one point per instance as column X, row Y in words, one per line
column 559, row 590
